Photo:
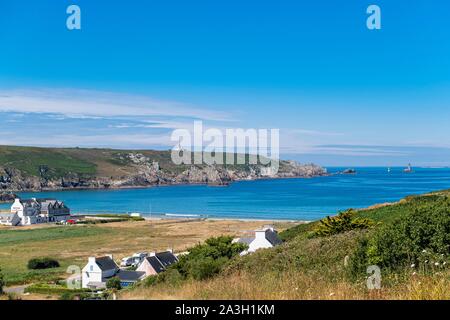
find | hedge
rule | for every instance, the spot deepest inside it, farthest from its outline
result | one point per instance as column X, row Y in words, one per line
column 53, row 290
column 42, row 263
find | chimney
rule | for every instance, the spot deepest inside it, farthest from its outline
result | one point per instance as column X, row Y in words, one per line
column 152, row 254
column 110, row 256
column 91, row 260
column 260, row 234
column 170, row 250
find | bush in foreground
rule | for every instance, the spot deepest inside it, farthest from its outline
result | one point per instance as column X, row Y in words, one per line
column 42, row 263
column 206, row 260
column 420, row 238
column 203, row 261
column 343, row 222
column 113, row 283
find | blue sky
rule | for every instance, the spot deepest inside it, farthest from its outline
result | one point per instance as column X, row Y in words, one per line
column 340, row 93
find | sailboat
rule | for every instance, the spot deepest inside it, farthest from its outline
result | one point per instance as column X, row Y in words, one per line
column 408, row 169
column 389, row 170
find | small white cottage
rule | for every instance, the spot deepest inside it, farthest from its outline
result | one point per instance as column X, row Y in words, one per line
column 267, row 237
column 99, row 270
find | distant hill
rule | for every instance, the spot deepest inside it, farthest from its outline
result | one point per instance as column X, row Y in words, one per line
column 32, row 168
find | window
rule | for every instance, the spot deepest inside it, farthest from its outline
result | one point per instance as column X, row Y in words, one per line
column 91, row 268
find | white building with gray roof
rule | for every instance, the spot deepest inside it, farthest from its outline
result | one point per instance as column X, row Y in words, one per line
column 267, row 237
column 26, row 212
column 99, row 270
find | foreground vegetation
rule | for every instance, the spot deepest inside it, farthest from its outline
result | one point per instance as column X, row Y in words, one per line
column 409, row 241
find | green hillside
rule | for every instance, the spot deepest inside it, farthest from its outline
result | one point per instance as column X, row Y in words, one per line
column 60, row 162
column 64, row 161
column 409, row 241
column 32, row 160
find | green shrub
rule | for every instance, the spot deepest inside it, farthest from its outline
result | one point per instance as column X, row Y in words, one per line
column 150, row 281
column 67, row 296
column 206, row 260
column 420, row 237
column 206, row 268
column 78, row 295
column 113, row 283
column 52, row 289
column 33, row 276
column 171, row 276
column 42, row 263
column 343, row 222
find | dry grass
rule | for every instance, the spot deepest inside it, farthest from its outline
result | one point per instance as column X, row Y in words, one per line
column 120, row 239
column 295, row 286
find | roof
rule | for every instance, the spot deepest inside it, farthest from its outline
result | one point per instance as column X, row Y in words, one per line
column 7, row 215
column 51, row 203
column 154, row 262
column 272, row 237
column 29, row 201
column 106, row 263
column 46, row 200
column 129, row 275
column 161, row 260
column 245, row 240
column 167, row 258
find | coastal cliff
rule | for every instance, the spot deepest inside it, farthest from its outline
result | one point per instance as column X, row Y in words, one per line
column 38, row 169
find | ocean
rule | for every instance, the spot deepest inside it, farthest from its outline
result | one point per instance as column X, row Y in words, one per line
column 276, row 199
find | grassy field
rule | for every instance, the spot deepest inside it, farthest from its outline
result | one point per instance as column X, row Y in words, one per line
column 74, row 244
column 306, row 267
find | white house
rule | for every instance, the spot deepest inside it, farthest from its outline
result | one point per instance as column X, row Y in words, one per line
column 32, row 211
column 99, row 270
column 267, row 237
column 156, row 263
column 9, row 219
column 27, row 210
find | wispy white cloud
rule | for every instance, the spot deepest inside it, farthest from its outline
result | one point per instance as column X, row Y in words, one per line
column 102, row 140
column 84, row 103
column 103, row 119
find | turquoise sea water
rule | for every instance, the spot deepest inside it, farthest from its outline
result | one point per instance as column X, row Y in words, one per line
column 297, row 199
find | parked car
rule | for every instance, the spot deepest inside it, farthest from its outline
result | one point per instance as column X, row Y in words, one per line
column 134, row 260
column 127, row 262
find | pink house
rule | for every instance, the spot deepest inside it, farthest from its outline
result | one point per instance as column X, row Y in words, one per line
column 156, row 263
